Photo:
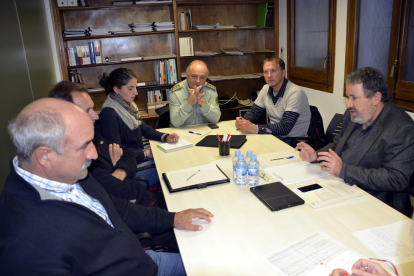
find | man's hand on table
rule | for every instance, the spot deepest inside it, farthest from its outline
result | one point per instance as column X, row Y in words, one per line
column 183, row 219
column 245, row 125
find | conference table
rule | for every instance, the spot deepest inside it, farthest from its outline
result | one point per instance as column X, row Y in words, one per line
column 243, row 231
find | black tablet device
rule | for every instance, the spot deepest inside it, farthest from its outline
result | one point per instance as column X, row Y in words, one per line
column 276, row 196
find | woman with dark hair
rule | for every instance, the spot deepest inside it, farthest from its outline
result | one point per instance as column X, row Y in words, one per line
column 120, row 121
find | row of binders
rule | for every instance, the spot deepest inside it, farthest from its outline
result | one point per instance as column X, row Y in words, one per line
column 165, row 71
column 85, row 54
column 130, row 28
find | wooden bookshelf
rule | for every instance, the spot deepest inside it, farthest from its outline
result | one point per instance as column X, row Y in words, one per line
column 101, row 14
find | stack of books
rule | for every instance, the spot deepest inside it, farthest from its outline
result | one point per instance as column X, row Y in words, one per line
column 75, row 32
column 218, row 26
column 186, row 46
column 141, row 27
column 169, row 147
column 163, row 26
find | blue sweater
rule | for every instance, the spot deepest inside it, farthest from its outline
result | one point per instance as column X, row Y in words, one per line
column 53, row 237
column 111, row 126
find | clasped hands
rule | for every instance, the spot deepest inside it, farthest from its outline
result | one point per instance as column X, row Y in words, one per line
column 329, row 160
column 195, row 96
column 245, row 125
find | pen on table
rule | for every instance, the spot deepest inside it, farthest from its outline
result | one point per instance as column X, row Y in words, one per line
column 194, row 133
column 228, row 138
column 192, row 175
column 224, row 138
column 288, row 157
column 218, row 138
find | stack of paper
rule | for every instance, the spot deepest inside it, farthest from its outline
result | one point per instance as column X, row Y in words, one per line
column 231, row 51
column 181, row 144
column 296, row 172
column 186, row 46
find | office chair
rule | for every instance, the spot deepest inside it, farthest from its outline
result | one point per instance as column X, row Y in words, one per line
column 316, row 133
column 164, row 117
column 334, row 127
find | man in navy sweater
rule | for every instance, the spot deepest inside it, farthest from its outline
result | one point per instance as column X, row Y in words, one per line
column 55, row 219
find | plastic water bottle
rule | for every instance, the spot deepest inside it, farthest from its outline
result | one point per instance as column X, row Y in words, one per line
column 241, row 171
column 253, row 171
column 249, row 154
column 235, row 158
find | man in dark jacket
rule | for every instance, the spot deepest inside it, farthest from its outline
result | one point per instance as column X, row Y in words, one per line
column 375, row 149
column 55, row 219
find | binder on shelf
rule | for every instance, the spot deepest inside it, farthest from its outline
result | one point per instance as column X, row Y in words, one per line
column 72, row 3
column 92, row 52
column 269, row 15
column 62, row 3
column 98, row 51
column 261, row 14
column 195, row 178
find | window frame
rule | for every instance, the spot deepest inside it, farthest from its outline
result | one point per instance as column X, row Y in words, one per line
column 312, row 78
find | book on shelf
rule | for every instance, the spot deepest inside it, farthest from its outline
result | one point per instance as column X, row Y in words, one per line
column 98, row 51
column 264, row 51
column 186, row 46
column 62, row 3
column 169, row 147
column 72, row 3
column 158, row 57
column 246, row 27
column 79, row 54
column 261, row 14
column 131, row 58
column 185, row 20
column 231, row 51
column 116, row 3
column 269, row 15
column 205, row 53
column 244, row 51
column 203, row 27
column 92, row 52
column 218, row 26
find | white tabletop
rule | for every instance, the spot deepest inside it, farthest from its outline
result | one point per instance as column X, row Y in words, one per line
column 243, row 230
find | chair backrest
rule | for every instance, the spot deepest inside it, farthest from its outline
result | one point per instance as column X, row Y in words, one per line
column 164, row 117
column 316, row 129
column 334, row 127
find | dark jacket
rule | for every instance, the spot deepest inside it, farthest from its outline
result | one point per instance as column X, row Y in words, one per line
column 53, row 237
column 102, row 169
column 385, row 160
column 111, row 126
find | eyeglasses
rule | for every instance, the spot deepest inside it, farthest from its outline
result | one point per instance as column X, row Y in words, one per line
column 263, row 175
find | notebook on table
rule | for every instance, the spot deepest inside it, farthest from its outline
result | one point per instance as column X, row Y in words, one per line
column 276, row 196
column 181, row 144
column 236, row 141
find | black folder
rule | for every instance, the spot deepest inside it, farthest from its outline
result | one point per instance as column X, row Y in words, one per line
column 225, row 179
column 276, row 196
column 236, row 141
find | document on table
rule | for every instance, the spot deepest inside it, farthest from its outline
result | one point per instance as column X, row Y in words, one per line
column 209, row 173
column 389, row 242
column 296, row 172
column 315, row 255
column 334, row 190
column 278, row 158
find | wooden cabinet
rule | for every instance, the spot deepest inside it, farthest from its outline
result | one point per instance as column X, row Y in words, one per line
column 101, row 14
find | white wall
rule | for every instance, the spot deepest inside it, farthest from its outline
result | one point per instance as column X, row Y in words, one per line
column 327, row 103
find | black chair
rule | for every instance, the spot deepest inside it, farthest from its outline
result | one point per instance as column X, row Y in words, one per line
column 164, row 117
column 316, row 132
column 334, row 127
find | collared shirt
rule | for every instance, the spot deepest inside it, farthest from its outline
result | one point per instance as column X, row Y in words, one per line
column 66, row 192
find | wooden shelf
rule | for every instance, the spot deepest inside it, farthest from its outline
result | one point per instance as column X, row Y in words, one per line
column 112, row 6
column 104, row 16
column 185, row 3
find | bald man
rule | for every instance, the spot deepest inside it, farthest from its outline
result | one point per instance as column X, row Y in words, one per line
column 193, row 101
column 57, row 220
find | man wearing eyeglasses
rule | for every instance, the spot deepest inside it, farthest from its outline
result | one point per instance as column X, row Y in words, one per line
column 193, row 101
